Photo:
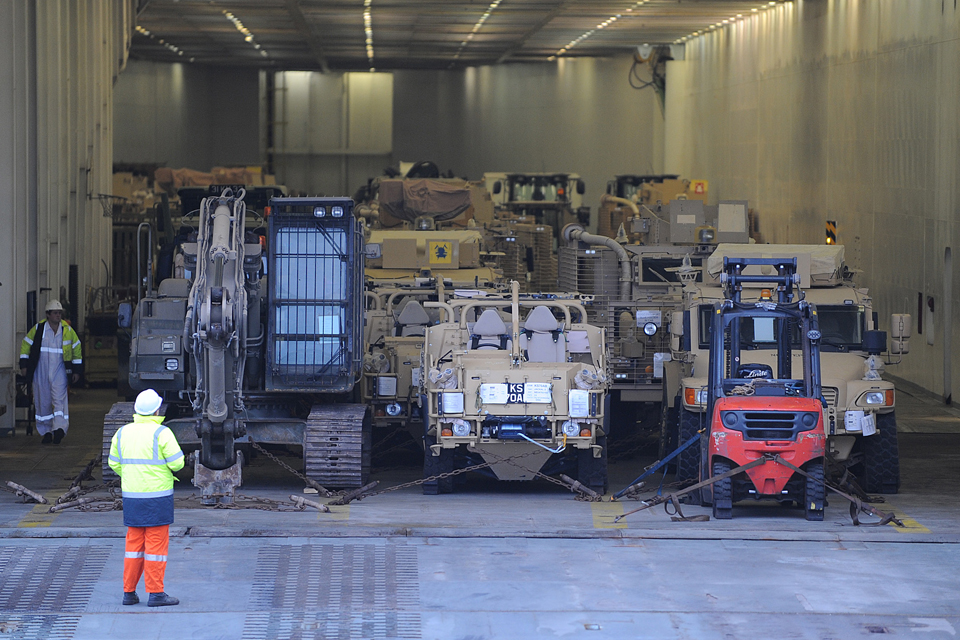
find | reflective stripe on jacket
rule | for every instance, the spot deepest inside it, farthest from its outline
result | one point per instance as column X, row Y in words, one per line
column 145, row 454
column 30, row 349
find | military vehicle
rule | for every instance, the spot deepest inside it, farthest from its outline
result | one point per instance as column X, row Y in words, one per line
column 260, row 340
column 424, row 240
column 516, row 382
column 860, row 411
column 635, row 283
column 654, row 193
column 397, row 319
column 549, row 199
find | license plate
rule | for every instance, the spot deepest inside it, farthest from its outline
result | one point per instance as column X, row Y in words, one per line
column 517, row 393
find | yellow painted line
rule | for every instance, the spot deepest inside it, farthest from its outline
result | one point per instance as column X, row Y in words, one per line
column 338, row 512
column 909, row 525
column 605, row 512
column 39, row 516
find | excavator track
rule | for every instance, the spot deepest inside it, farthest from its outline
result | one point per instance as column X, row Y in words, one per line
column 120, row 414
column 337, row 444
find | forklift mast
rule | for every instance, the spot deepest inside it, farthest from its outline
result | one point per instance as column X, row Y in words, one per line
column 784, row 312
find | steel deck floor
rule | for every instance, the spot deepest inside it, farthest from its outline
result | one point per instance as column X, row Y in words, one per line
column 491, row 561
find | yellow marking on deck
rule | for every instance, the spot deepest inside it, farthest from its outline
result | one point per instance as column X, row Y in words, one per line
column 39, row 516
column 909, row 525
column 605, row 512
column 338, row 512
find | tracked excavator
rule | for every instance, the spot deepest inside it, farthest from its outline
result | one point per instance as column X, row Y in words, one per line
column 259, row 342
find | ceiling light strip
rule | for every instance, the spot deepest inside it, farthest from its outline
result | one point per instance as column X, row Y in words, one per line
column 368, row 31
column 731, row 20
column 247, row 36
column 486, row 15
column 627, row 13
column 175, row 49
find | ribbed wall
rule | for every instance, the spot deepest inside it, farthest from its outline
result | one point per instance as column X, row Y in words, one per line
column 845, row 111
column 59, row 61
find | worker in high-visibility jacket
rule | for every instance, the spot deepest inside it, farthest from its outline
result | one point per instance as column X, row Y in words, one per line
column 145, row 454
column 50, row 357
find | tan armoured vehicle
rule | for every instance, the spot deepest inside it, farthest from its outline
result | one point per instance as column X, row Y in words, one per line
column 860, row 410
column 423, row 239
column 518, row 383
column 634, row 284
column 396, row 323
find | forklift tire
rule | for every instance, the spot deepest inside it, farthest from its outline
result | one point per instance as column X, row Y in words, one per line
column 592, row 472
column 722, row 492
column 434, row 466
column 814, row 491
column 881, row 457
column 688, row 461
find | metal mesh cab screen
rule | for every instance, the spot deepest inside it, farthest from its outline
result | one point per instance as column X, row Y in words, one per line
column 314, row 275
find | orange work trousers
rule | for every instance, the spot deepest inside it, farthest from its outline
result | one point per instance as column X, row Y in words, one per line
column 146, row 555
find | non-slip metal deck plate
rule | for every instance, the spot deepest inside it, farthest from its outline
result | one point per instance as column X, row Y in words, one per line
column 49, row 579
column 342, row 591
column 40, row 584
column 28, row 626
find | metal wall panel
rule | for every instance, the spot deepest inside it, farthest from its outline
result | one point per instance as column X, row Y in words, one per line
column 578, row 115
column 842, row 110
column 60, row 59
column 184, row 115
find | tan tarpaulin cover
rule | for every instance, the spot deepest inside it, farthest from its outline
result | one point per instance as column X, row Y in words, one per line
column 826, row 261
column 411, row 199
column 172, row 179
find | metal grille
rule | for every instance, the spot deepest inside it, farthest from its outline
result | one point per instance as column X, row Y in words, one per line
column 49, row 579
column 528, row 256
column 830, row 394
column 314, row 298
column 341, row 591
column 596, row 272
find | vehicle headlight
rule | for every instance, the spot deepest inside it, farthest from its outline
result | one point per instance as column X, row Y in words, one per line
column 693, row 396
column 172, row 364
column 393, row 409
column 570, row 429
column 874, row 397
column 461, row 428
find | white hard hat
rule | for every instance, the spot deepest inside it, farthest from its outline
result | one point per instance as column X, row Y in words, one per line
column 147, row 402
column 54, row 305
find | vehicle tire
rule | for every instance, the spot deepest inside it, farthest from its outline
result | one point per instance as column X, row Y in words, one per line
column 722, row 492
column 881, row 457
column 688, row 461
column 592, row 472
column 434, row 466
column 814, row 491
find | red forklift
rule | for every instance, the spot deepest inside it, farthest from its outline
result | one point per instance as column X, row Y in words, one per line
column 760, row 408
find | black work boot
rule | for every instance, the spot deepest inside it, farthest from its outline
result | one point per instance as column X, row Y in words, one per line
column 161, row 600
column 130, row 597
column 47, row 438
column 58, row 436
